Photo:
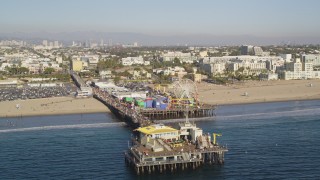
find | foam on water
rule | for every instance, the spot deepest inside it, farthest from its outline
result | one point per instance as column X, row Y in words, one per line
column 95, row 125
column 291, row 113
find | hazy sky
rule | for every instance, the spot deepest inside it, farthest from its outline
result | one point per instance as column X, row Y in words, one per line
column 268, row 18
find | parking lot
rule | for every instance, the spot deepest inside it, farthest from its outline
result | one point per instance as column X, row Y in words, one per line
column 10, row 94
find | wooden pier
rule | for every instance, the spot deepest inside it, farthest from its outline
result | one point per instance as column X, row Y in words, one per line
column 163, row 154
column 178, row 159
column 143, row 117
column 179, row 113
column 130, row 116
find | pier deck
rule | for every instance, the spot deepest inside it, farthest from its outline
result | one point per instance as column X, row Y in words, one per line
column 144, row 117
column 144, row 160
column 130, row 116
column 162, row 156
column 179, row 113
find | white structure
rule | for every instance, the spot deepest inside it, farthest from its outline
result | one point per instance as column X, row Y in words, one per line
column 84, row 92
column 45, row 43
column 269, row 76
column 252, row 65
column 188, row 129
column 299, row 70
column 128, row 61
column 6, row 43
column 170, row 71
column 203, row 53
column 105, row 74
column 215, row 68
column 59, row 59
column 146, row 63
column 183, row 57
column 314, row 59
column 286, row 57
column 256, row 64
column 56, row 44
column 257, row 51
column 136, row 94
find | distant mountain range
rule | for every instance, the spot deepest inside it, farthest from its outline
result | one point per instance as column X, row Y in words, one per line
column 158, row 40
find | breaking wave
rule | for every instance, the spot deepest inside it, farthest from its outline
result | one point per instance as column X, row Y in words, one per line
column 248, row 116
column 76, row 126
column 290, row 113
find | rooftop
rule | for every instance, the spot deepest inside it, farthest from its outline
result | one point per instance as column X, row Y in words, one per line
column 156, row 128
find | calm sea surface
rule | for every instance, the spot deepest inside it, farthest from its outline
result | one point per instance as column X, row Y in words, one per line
column 265, row 141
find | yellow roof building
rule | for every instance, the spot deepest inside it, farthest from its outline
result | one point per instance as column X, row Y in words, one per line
column 159, row 131
column 77, row 65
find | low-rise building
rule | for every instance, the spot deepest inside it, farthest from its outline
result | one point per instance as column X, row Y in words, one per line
column 105, row 74
column 159, row 131
column 314, row 59
column 128, row 61
column 269, row 76
column 197, row 77
column 299, row 70
column 183, row 57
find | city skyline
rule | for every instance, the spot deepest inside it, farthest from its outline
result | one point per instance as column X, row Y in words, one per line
column 270, row 21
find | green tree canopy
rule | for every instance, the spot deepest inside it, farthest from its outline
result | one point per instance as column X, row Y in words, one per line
column 48, row 70
column 176, row 61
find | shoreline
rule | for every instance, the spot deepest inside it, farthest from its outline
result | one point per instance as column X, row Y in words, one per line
column 220, row 95
column 261, row 102
column 108, row 111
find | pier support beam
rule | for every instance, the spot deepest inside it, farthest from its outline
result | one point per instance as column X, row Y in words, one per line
column 149, row 170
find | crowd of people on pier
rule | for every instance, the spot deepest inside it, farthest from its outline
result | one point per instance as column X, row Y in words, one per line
column 122, row 107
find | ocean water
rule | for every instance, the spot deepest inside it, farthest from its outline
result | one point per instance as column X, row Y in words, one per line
column 265, row 141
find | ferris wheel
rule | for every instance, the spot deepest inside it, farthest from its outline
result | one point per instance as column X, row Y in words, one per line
column 185, row 89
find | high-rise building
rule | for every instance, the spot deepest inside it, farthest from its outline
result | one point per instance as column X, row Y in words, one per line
column 246, row 50
column 257, row 51
column 45, row 43
column 101, row 42
column 110, row 42
column 286, row 57
column 56, row 44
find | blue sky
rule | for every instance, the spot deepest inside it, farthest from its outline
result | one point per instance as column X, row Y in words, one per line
column 268, row 18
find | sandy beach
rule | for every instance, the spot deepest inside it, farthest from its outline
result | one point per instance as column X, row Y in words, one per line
column 50, row 106
column 259, row 91
column 240, row 93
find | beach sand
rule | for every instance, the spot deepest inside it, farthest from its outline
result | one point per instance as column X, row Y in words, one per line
column 259, row 91
column 51, row 106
